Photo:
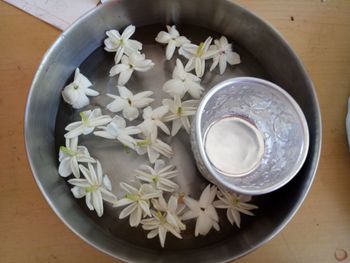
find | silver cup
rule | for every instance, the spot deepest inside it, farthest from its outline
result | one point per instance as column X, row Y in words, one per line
column 268, row 140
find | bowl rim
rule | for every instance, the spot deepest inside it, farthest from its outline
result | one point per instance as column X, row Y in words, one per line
column 30, row 149
column 229, row 83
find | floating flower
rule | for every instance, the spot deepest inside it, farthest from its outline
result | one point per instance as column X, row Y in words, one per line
column 117, row 130
column 179, row 113
column 122, row 44
column 129, row 64
column 235, row 204
column 129, row 103
column 137, row 201
column 203, row 210
column 69, row 157
column 153, row 147
column 154, row 119
column 96, row 187
column 197, row 55
column 223, row 55
column 183, row 82
column 77, row 92
column 165, row 219
column 89, row 120
column 173, row 39
column 159, row 177
column 172, row 210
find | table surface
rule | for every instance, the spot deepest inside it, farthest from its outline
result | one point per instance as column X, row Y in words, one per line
column 319, row 32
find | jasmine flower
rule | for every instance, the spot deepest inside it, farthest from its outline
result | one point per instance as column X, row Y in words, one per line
column 153, row 147
column 129, row 64
column 121, row 43
column 164, row 219
column 203, row 210
column 235, row 204
column 69, row 157
column 179, row 113
column 77, row 92
column 159, row 177
column 96, row 187
column 117, row 130
column 89, row 120
column 152, row 119
column 173, row 39
column 137, row 202
column 223, row 55
column 183, row 82
column 129, row 103
column 197, row 55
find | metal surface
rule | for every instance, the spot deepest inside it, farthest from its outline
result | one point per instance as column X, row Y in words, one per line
column 80, row 46
column 275, row 114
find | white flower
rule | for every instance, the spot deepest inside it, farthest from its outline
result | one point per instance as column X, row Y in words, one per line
column 203, row 210
column 137, row 201
column 224, row 54
column 235, row 204
column 129, row 64
column 197, row 55
column 154, row 119
column 89, row 120
column 173, row 39
column 165, row 219
column 117, row 130
column 95, row 187
column 183, row 82
column 172, row 209
column 69, row 157
column 159, row 177
column 179, row 113
column 77, row 92
column 153, row 147
column 122, row 43
column 129, row 103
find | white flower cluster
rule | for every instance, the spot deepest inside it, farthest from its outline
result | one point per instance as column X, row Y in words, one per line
column 153, row 200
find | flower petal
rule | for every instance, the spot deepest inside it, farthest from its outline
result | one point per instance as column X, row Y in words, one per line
column 203, row 225
column 162, row 235
column 135, row 217
column 175, row 87
column 75, row 167
column 64, row 169
column 127, row 210
column 117, row 105
column 128, row 32
column 97, row 202
column 169, row 52
column 163, row 37
column 78, row 192
column 88, row 201
column 125, row 76
column 222, row 64
column 130, row 113
column 177, row 124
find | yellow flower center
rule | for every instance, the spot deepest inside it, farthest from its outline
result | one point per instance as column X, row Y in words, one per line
column 84, row 118
column 200, row 50
column 91, row 189
column 143, row 143
column 179, row 111
column 67, row 151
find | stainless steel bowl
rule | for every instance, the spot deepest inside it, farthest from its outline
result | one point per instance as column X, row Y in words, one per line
column 264, row 54
column 269, row 112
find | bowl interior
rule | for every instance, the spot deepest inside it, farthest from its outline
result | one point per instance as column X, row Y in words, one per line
column 278, row 118
column 81, row 45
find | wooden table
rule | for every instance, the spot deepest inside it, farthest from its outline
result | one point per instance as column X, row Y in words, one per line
column 319, row 32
